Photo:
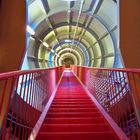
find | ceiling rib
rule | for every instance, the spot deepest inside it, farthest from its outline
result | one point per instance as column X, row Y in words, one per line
column 78, row 18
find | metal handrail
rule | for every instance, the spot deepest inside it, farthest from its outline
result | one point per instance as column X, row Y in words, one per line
column 134, row 70
column 34, row 88
column 16, row 73
column 120, row 103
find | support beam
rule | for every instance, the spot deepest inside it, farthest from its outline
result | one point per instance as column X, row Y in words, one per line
column 130, row 32
column 12, row 34
column 102, row 37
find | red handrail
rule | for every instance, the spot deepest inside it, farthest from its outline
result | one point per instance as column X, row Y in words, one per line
column 134, row 70
column 23, row 96
column 118, row 91
column 16, row 73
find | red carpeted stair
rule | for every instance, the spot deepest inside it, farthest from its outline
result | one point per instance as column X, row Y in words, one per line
column 73, row 116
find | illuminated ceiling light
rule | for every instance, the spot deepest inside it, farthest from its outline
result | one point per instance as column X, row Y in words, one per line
column 45, row 44
column 67, row 41
column 69, row 11
column 56, row 54
column 70, row 0
column 30, row 30
column 52, row 50
column 32, row 38
column 59, row 47
column 69, row 49
column 61, row 58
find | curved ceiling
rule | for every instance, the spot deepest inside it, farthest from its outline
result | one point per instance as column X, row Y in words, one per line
column 82, row 32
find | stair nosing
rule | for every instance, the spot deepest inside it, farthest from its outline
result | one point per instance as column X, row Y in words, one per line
column 101, row 132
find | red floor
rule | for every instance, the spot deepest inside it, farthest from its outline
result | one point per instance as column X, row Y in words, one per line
column 73, row 116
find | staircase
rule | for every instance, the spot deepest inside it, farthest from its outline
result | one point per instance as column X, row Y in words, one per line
column 73, row 115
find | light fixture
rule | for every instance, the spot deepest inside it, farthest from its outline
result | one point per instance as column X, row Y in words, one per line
column 45, row 44
column 69, row 11
column 56, row 54
column 30, row 30
column 32, row 38
column 70, row 0
column 61, row 58
column 52, row 50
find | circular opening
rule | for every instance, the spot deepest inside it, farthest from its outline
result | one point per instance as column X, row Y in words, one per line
column 68, row 62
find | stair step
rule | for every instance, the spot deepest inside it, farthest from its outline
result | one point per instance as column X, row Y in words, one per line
column 67, row 91
column 71, row 96
column 73, row 109
column 71, row 93
column 74, row 114
column 74, row 127
column 73, row 103
column 74, row 120
column 76, row 136
column 58, row 98
column 79, row 88
column 72, row 100
column 73, row 106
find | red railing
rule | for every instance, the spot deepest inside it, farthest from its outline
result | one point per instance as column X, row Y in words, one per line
column 23, row 96
column 118, row 91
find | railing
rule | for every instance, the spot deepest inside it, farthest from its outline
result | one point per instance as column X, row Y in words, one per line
column 118, row 91
column 23, row 96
